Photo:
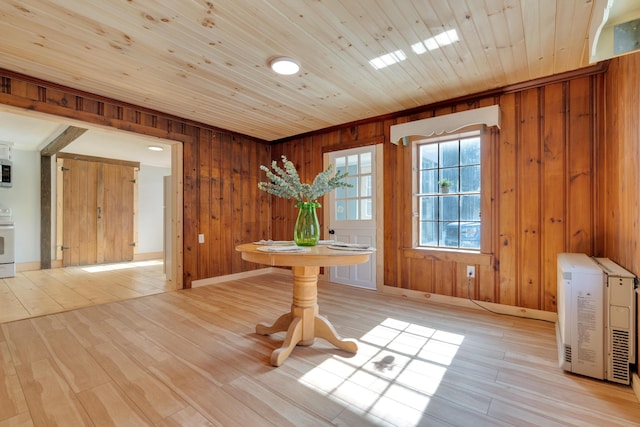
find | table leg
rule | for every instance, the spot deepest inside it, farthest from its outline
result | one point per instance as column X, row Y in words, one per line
column 294, row 334
column 281, row 324
column 303, row 324
column 324, row 329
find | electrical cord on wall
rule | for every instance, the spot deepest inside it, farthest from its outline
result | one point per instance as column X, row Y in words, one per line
column 493, row 311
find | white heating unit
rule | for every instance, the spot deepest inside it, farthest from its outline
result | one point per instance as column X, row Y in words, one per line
column 596, row 317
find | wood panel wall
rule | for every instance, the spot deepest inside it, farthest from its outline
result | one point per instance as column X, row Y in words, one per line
column 563, row 178
column 618, row 156
column 542, row 184
column 221, row 170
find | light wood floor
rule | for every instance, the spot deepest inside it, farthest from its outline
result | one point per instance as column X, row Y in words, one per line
column 191, row 358
column 40, row 292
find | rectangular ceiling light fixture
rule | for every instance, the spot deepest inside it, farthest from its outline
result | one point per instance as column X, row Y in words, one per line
column 435, row 42
column 388, row 59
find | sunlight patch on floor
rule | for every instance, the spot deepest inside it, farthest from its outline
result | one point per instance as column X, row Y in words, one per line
column 398, row 368
column 120, row 266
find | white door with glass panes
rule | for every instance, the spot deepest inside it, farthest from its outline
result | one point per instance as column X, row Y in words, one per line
column 352, row 213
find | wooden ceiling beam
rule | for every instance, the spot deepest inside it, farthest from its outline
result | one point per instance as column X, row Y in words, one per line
column 69, row 135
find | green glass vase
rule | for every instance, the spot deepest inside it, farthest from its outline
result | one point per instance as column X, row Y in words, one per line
column 307, row 229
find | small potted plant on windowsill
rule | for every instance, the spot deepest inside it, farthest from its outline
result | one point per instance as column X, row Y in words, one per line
column 444, row 185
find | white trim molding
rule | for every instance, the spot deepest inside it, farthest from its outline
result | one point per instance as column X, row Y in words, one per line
column 489, row 116
column 527, row 313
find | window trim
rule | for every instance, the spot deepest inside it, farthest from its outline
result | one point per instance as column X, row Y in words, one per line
column 449, row 123
column 485, row 190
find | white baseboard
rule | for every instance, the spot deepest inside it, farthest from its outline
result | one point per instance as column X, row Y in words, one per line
column 146, row 256
column 27, row 266
column 464, row 302
column 237, row 276
column 35, row 265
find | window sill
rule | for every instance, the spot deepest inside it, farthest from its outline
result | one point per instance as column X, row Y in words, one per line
column 451, row 255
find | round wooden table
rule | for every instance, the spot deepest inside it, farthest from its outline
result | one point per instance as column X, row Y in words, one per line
column 303, row 323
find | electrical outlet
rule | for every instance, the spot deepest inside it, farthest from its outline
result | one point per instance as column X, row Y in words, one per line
column 200, row 238
column 471, row 271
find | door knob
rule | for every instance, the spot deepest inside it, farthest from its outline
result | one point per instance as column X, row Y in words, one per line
column 332, row 231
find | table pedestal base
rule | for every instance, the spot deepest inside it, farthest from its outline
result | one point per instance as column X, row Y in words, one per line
column 303, row 324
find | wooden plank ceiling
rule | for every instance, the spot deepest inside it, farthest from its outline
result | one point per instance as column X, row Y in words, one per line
column 208, row 60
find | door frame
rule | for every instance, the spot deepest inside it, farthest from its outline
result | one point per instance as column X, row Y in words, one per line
column 176, row 190
column 379, row 216
column 48, row 216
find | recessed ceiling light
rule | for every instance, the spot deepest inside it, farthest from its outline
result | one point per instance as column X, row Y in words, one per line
column 155, row 148
column 284, row 65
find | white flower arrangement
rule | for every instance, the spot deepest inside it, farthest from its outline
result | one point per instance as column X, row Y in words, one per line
column 286, row 183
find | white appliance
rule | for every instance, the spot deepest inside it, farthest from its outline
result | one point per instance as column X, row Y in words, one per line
column 596, row 317
column 6, row 164
column 620, row 321
column 6, row 151
column 5, row 173
column 580, row 327
column 7, row 244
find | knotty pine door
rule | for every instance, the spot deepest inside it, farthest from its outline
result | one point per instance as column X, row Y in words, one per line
column 98, row 212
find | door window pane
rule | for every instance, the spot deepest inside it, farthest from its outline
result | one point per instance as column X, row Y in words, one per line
column 353, row 190
column 355, row 202
column 366, row 211
column 352, row 210
column 341, row 210
column 365, row 163
column 365, row 182
column 352, row 165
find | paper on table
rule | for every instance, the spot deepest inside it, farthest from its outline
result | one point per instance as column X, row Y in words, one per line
column 281, row 248
column 326, row 242
column 274, row 242
column 288, row 242
column 351, row 247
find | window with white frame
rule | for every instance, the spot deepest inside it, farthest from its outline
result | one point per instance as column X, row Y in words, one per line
column 448, row 191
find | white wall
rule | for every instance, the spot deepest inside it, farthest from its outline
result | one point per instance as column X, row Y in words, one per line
column 24, row 199
column 150, row 208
